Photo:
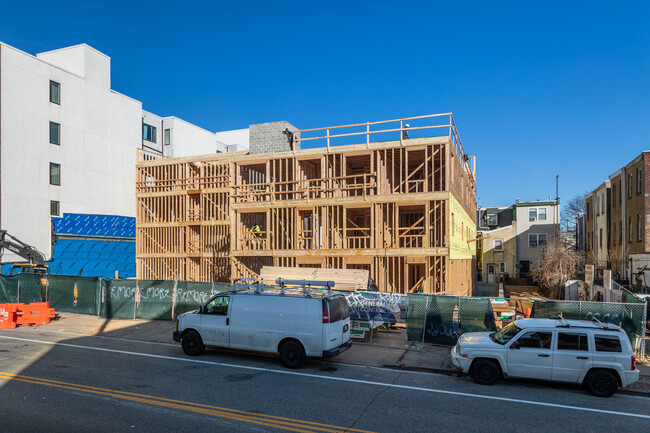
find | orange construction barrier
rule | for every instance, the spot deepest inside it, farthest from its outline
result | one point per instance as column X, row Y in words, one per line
column 36, row 313
column 7, row 316
column 529, row 311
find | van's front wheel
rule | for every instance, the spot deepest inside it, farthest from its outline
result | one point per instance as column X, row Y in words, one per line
column 292, row 354
column 192, row 343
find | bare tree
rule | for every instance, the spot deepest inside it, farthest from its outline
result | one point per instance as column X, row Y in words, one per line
column 559, row 265
column 571, row 210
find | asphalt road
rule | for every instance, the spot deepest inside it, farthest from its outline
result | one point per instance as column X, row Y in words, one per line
column 59, row 382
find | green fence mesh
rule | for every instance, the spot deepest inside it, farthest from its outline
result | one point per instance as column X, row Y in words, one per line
column 630, row 317
column 191, row 295
column 155, row 300
column 23, row 288
column 74, row 294
column 119, row 299
column 8, row 289
column 629, row 298
column 415, row 312
column 441, row 319
column 476, row 315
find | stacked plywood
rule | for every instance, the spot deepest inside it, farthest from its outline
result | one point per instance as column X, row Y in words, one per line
column 344, row 279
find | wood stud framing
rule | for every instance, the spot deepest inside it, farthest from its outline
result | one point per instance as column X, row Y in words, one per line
column 383, row 207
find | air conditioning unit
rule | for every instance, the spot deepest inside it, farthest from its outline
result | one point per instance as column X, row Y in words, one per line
column 532, row 219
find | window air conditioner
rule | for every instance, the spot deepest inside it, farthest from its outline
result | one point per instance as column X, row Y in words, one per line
column 532, row 219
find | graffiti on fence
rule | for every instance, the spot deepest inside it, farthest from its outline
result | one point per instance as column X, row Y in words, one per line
column 118, row 292
column 384, row 307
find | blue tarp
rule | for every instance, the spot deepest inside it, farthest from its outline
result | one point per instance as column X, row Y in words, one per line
column 95, row 225
column 93, row 258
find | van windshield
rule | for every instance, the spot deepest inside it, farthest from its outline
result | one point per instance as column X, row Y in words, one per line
column 506, row 333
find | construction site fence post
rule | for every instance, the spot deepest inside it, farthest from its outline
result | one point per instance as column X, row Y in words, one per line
column 424, row 323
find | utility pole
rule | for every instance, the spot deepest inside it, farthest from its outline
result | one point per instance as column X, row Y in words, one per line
column 557, row 206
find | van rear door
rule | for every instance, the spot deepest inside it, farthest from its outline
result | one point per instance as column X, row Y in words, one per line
column 336, row 322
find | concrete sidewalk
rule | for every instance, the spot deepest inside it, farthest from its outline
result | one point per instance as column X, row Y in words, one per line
column 387, row 349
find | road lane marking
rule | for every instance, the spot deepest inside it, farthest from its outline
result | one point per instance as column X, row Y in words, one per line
column 340, row 379
column 233, row 414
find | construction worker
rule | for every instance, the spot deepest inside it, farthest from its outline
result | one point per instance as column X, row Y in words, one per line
column 256, row 230
column 405, row 132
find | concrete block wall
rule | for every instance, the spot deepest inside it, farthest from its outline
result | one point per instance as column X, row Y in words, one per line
column 268, row 137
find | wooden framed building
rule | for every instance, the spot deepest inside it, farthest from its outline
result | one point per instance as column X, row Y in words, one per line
column 404, row 209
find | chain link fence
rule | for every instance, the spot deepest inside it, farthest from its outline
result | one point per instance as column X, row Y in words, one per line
column 441, row 319
column 120, row 299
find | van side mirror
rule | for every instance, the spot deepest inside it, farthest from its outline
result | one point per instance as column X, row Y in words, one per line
column 515, row 345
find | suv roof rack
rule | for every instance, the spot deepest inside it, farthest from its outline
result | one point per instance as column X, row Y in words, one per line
column 593, row 319
column 564, row 321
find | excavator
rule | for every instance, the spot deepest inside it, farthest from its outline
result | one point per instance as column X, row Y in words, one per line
column 36, row 260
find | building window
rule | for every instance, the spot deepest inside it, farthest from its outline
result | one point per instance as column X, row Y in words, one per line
column 614, row 234
column 462, row 231
column 588, row 211
column 541, row 214
column 55, row 174
column 492, row 219
column 55, row 92
column 541, row 239
column 502, row 267
column 638, row 180
column 620, row 232
column 629, row 186
column 629, row 221
column 55, row 133
column 149, row 133
column 54, row 208
column 600, row 238
column 638, row 227
column 532, row 214
column 613, row 195
column 167, row 137
column 498, row 245
column 620, row 188
column 532, row 240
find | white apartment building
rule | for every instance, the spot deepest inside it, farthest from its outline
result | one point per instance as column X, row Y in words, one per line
column 68, row 141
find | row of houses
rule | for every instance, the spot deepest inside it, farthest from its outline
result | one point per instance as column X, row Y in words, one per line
column 614, row 229
column 510, row 239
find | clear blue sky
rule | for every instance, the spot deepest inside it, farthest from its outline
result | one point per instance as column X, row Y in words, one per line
column 537, row 88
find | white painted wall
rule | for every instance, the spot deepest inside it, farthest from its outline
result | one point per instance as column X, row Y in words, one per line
column 237, row 138
column 188, row 139
column 100, row 131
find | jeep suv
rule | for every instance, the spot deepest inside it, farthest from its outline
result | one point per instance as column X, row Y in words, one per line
column 597, row 355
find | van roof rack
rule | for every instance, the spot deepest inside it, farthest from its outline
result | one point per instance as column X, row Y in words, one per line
column 306, row 285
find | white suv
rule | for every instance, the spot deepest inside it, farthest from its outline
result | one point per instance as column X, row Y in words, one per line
column 597, row 355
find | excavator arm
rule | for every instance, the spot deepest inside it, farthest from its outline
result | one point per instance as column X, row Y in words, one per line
column 32, row 255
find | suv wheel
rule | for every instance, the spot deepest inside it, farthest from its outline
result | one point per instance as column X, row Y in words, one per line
column 601, row 383
column 292, row 354
column 192, row 343
column 485, row 372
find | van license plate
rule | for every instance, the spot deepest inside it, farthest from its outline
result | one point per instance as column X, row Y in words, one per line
column 345, row 328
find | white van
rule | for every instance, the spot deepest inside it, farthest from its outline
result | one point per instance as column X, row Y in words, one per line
column 294, row 323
